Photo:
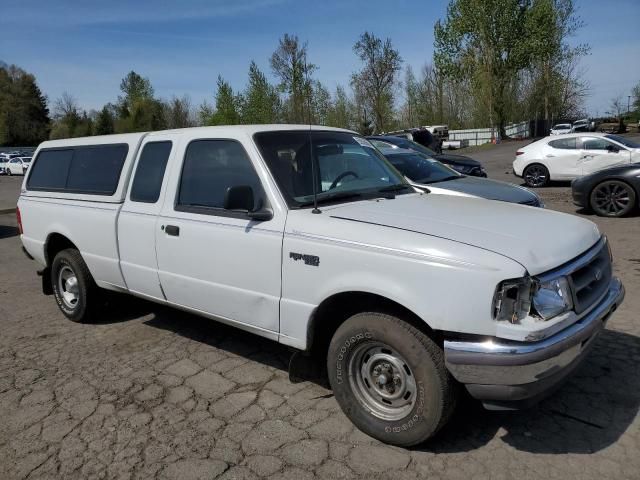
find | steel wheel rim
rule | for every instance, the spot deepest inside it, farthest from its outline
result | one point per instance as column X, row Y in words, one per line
column 611, row 198
column 68, row 287
column 536, row 176
column 382, row 381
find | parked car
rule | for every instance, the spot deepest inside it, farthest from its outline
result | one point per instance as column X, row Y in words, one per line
column 423, row 171
column 460, row 163
column 572, row 156
column 423, row 136
column 14, row 166
column 560, row 129
column 26, row 161
column 309, row 237
column 612, row 192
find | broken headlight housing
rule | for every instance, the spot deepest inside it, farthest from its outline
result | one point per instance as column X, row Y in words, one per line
column 515, row 299
column 512, row 300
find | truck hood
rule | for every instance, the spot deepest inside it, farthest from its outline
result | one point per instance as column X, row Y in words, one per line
column 538, row 239
column 457, row 159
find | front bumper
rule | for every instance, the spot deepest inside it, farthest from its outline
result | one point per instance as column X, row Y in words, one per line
column 507, row 375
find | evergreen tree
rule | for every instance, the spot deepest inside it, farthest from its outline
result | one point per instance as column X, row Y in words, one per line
column 227, row 105
column 260, row 102
column 105, row 122
column 24, row 116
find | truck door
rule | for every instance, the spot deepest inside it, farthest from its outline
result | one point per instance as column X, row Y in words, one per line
column 216, row 261
column 139, row 217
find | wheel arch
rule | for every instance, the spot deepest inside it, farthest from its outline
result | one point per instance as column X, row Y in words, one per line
column 334, row 310
column 55, row 243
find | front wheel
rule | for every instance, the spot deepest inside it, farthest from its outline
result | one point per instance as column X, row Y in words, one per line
column 612, row 198
column 389, row 378
column 536, row 175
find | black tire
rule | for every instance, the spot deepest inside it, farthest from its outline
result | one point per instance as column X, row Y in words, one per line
column 612, row 198
column 536, row 175
column 423, row 362
column 85, row 305
column 9, row 172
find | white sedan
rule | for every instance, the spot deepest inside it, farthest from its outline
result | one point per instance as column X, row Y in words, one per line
column 561, row 129
column 15, row 166
column 572, row 156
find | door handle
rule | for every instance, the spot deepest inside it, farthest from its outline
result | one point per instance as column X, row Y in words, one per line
column 172, row 230
column 550, row 155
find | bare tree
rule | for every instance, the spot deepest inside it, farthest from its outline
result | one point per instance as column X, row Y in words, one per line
column 66, row 106
column 178, row 112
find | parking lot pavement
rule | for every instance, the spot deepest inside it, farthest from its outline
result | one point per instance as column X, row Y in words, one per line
column 9, row 191
column 155, row 393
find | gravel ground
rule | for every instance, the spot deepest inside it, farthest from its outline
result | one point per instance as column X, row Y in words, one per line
column 156, row 393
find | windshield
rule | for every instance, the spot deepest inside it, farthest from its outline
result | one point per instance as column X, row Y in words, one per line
column 411, row 145
column 348, row 166
column 420, row 168
column 624, row 141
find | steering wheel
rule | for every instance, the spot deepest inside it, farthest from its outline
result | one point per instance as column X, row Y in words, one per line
column 334, row 184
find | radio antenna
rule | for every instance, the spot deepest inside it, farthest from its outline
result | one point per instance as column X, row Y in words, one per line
column 314, row 166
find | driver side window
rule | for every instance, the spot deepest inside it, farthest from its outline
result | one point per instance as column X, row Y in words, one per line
column 595, row 144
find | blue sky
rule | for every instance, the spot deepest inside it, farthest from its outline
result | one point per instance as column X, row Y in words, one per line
column 86, row 47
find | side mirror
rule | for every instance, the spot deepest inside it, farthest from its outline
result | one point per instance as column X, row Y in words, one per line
column 239, row 197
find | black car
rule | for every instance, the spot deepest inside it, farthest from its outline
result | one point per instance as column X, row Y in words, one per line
column 423, row 171
column 465, row 165
column 612, row 192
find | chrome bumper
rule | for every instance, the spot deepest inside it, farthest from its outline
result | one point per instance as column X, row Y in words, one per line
column 500, row 372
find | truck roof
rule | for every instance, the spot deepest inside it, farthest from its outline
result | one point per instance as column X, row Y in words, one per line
column 205, row 131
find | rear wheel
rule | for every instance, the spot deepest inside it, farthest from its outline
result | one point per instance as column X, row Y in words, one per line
column 9, row 171
column 389, row 378
column 536, row 175
column 73, row 287
column 612, row 198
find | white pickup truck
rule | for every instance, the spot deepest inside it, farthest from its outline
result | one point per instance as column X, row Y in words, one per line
column 308, row 236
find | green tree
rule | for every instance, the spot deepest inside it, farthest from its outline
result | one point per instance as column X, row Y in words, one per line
column 487, row 40
column 635, row 94
column 105, row 121
column 377, row 77
column 320, row 103
column 24, row 116
column 289, row 63
column 227, row 105
column 134, row 88
column 260, row 102
column 340, row 113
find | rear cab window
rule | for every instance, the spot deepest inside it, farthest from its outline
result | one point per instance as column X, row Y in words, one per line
column 88, row 169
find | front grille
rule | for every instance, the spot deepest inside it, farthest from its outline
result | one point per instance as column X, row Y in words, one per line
column 589, row 281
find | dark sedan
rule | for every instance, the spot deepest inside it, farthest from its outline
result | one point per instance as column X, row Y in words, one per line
column 462, row 164
column 423, row 171
column 612, row 192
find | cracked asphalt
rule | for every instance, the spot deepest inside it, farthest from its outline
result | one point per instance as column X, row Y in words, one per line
column 152, row 392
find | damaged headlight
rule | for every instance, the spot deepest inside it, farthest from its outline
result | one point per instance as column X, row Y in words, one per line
column 512, row 300
column 552, row 298
column 515, row 299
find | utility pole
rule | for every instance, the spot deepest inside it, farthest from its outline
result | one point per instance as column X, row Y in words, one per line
column 628, row 102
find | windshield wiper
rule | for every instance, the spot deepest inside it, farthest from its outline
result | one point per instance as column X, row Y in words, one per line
column 331, row 197
column 395, row 188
